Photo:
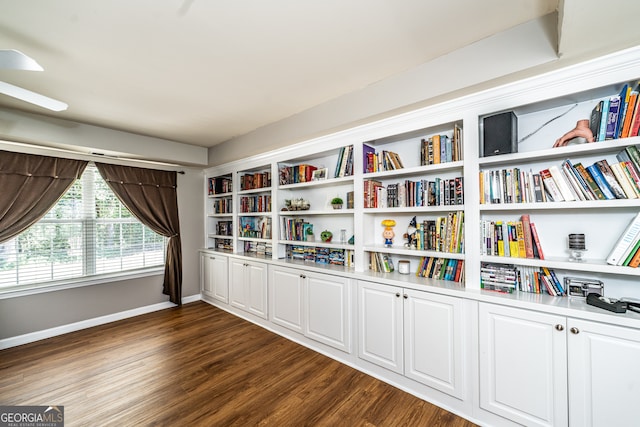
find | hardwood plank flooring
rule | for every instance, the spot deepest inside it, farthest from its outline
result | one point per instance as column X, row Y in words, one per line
column 197, row 365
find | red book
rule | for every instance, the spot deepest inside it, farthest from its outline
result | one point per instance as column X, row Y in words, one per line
column 536, row 239
column 528, row 238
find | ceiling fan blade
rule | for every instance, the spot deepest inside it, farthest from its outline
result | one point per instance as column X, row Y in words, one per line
column 16, row 60
column 32, row 97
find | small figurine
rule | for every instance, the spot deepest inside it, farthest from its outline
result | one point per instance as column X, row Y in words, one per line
column 388, row 234
column 581, row 130
column 410, row 235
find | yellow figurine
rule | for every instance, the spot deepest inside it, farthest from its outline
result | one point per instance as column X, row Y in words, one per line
column 388, row 234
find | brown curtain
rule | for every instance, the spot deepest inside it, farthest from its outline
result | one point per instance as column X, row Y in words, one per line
column 30, row 185
column 151, row 197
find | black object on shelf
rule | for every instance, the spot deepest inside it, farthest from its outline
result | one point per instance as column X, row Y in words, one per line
column 610, row 304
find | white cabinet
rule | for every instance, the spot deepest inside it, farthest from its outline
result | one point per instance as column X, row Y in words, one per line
column 285, row 297
column 414, row 333
column 248, row 286
column 532, row 364
column 523, row 363
column 604, row 374
column 214, row 276
column 316, row 305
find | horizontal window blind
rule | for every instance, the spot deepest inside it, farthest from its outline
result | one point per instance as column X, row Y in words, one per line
column 87, row 233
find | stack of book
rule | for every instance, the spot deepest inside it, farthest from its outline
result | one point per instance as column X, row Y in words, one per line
column 220, row 185
column 380, row 161
column 515, row 239
column 255, row 227
column 439, row 192
column 261, row 203
column 626, row 251
column 441, row 268
column 344, row 165
column 296, row 174
column 441, row 148
column 380, row 262
column 255, row 181
column 221, row 206
column 443, row 234
column 602, row 180
column 321, row 255
column 295, row 229
column 509, row 278
column 499, row 277
column 617, row 116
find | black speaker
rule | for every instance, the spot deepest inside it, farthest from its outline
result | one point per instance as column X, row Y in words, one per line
column 499, row 134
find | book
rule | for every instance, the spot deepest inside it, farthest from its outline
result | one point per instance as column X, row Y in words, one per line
column 586, row 176
column 551, row 186
column 367, row 158
column 622, row 110
column 597, row 176
column 564, row 187
column 622, row 178
column 615, row 186
column 634, row 249
column 624, row 241
column 612, row 117
column 528, row 238
column 602, row 131
column 629, row 113
column 536, row 240
column 581, row 193
column 595, row 119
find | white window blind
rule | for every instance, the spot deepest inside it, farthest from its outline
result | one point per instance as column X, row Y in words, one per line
column 87, row 233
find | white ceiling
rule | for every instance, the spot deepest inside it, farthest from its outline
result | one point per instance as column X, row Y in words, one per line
column 202, row 72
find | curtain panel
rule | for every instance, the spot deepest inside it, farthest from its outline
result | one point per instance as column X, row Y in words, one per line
column 30, row 185
column 152, row 198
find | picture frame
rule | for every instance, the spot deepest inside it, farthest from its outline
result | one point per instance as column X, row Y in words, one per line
column 320, row 174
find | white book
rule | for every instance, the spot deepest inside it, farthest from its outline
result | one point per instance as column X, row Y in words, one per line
column 562, row 183
column 624, row 243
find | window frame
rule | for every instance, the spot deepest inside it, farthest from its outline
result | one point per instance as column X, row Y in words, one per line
column 87, row 221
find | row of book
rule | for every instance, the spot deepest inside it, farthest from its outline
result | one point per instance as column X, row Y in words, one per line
column 224, row 228
column 220, row 185
column 617, row 116
column 568, row 182
column 380, row 161
column 439, row 192
column 344, row 165
column 224, row 244
column 221, row 206
column 509, row 278
column 441, row 148
column 441, row 268
column 296, row 174
column 380, row 262
column 255, row 181
column 515, row 239
column 443, row 234
column 259, row 248
column 321, row 255
column 255, row 227
column 295, row 229
column 261, row 203
column 626, row 251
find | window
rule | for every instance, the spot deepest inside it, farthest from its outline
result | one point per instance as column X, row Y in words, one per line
column 87, row 233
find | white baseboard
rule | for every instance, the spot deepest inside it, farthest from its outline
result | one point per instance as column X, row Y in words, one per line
column 83, row 324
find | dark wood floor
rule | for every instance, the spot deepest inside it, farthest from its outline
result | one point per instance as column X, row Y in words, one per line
column 197, row 365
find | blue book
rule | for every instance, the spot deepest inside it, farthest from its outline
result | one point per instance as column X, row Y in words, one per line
column 602, row 130
column 612, row 117
column 594, row 170
column 622, row 109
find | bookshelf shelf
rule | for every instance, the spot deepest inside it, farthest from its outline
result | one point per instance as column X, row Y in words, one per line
column 589, row 265
column 310, row 212
column 417, row 170
column 412, row 252
column 329, row 182
column 542, row 206
column 255, row 190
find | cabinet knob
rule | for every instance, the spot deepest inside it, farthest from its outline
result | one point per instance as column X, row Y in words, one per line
column 405, row 296
column 397, row 294
column 302, row 276
column 212, row 257
column 575, row 330
column 559, row 327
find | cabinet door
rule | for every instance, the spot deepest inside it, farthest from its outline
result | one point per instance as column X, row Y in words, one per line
column 604, row 374
column 327, row 310
column 219, row 277
column 433, row 337
column 256, row 286
column 237, row 292
column 206, row 279
column 380, row 325
column 286, row 298
column 523, row 364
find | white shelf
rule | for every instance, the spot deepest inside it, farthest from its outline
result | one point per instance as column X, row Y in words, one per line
column 254, row 190
column 592, row 266
column 254, row 214
column 416, row 170
column 314, row 243
column 220, row 215
column 415, row 209
column 319, row 183
column 591, row 204
column 317, row 212
column 397, row 250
